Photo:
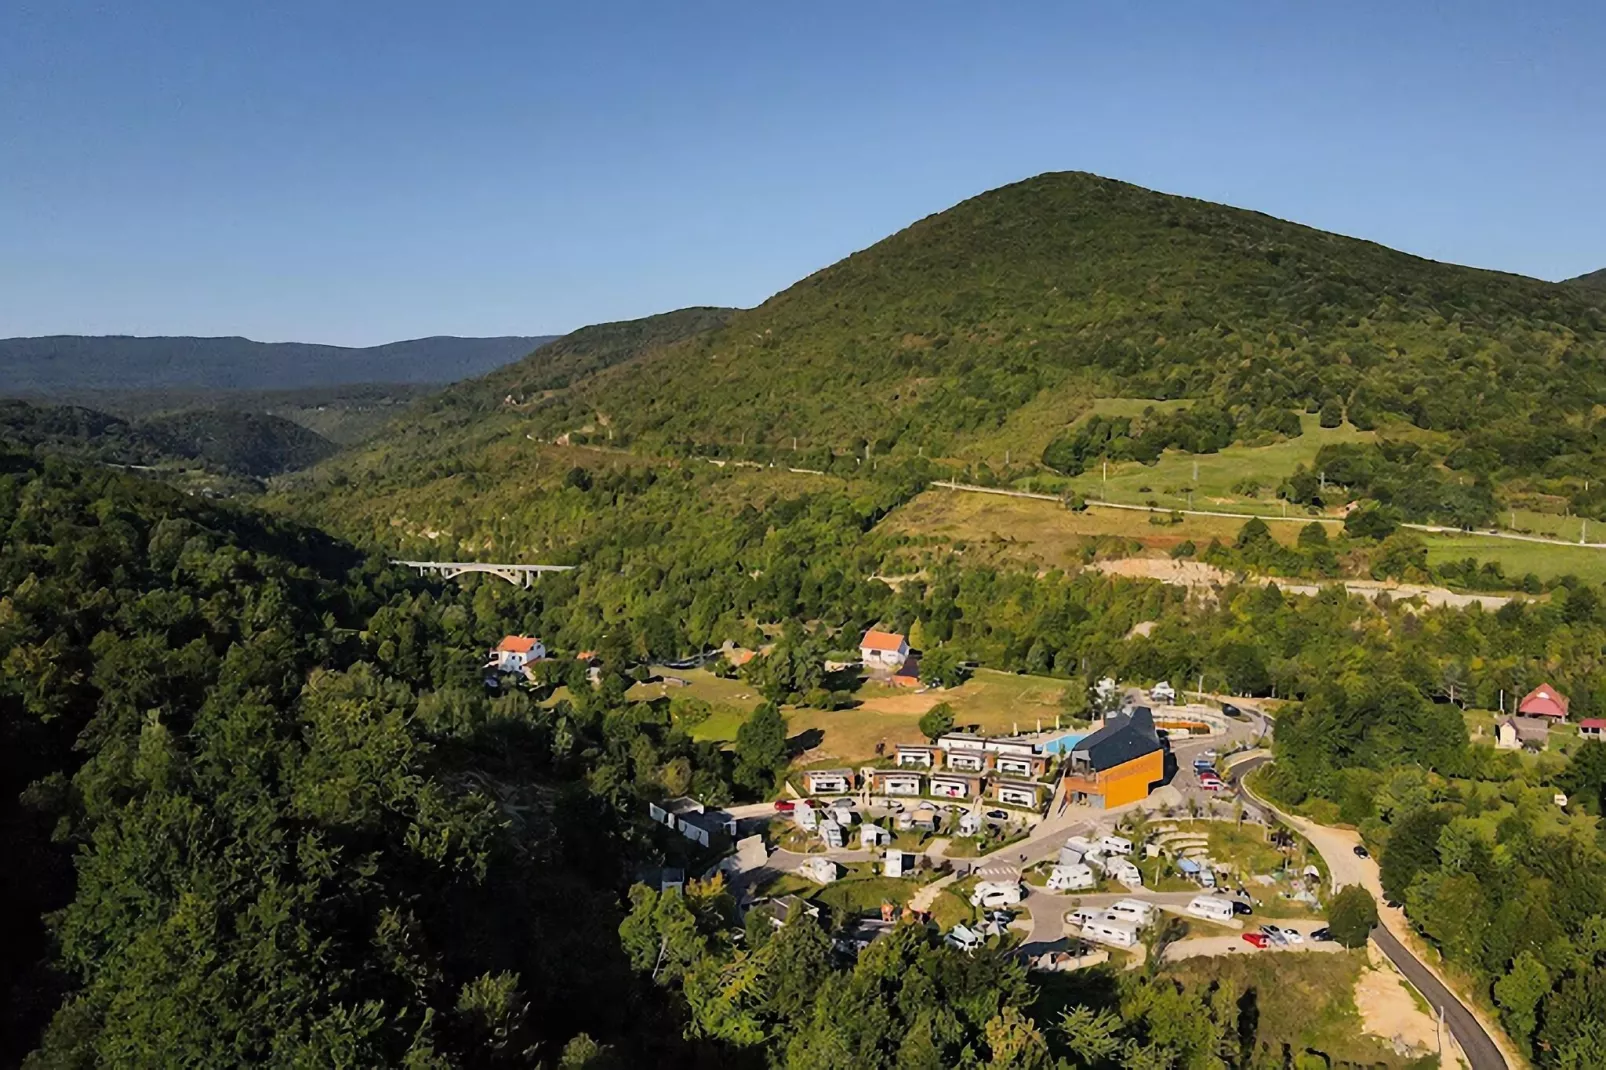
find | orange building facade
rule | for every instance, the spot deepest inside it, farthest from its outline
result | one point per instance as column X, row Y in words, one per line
column 1119, row 785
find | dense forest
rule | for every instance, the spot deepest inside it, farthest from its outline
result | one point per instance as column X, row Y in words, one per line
column 228, row 442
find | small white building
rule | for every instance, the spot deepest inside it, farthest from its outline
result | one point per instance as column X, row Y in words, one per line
column 1111, row 931
column 955, row 785
column 1138, row 911
column 828, row 781
column 1211, row 908
column 898, row 864
column 966, row 759
column 806, row 816
column 1072, row 878
column 514, row 652
column 872, row 836
column 893, row 783
column 917, row 756
column 969, row 823
column 883, row 650
column 819, row 870
column 1016, row 793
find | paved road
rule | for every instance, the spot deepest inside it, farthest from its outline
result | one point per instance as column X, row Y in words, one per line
column 1336, row 847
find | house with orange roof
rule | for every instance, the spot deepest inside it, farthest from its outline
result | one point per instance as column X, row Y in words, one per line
column 1544, row 701
column 883, row 650
column 514, row 652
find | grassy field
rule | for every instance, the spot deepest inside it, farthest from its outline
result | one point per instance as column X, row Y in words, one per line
column 995, row 702
column 1168, row 480
column 1303, row 1001
column 1030, row 428
column 1520, row 558
column 1026, row 531
column 991, row 528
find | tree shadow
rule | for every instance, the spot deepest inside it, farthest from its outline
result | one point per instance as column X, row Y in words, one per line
column 805, row 741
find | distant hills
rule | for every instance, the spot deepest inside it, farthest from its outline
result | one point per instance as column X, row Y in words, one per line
column 228, row 443
column 50, row 366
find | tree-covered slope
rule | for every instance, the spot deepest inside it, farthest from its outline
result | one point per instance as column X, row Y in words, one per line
column 1594, row 280
column 233, row 443
column 945, row 328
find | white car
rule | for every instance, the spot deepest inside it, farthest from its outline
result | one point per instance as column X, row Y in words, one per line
column 995, row 899
column 1293, row 936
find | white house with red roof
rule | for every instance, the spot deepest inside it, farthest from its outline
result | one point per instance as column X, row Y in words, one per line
column 514, row 652
column 1544, row 701
column 1592, row 728
column 883, row 650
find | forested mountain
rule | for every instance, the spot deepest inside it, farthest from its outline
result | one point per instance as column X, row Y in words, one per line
column 1023, row 303
column 235, row 443
column 1594, row 280
column 68, row 363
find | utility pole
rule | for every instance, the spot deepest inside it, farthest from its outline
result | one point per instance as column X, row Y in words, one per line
column 1106, row 471
column 1196, row 471
column 1006, row 458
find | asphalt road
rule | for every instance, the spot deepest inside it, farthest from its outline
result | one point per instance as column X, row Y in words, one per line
column 1475, row 1041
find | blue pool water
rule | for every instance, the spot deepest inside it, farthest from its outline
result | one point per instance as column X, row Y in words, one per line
column 1062, row 744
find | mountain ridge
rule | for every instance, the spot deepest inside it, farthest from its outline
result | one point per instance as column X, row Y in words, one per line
column 48, row 364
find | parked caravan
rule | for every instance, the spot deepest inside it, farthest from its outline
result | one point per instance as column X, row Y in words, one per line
column 1112, row 931
column 1211, row 908
column 1074, row 878
column 1134, row 910
column 1115, row 845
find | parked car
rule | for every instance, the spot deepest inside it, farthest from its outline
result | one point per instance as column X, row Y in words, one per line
column 1230, row 710
column 998, row 815
column 894, row 806
column 1361, row 852
column 784, row 806
column 1293, row 936
column 1274, row 934
column 992, row 900
column 1000, row 917
column 1322, row 935
column 1256, row 939
column 1209, row 785
column 1241, row 907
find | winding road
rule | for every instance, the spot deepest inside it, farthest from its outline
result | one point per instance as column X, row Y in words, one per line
column 1337, row 848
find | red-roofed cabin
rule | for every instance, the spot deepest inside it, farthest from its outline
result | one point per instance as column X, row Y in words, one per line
column 883, row 650
column 1592, row 728
column 1544, row 701
column 514, row 652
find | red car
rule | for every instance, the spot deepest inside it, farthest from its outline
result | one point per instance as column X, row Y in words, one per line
column 1256, row 939
column 784, row 806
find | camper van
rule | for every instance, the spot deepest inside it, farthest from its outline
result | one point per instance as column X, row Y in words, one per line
column 1136, row 911
column 1115, row 845
column 1211, row 908
column 1072, row 878
column 1119, row 869
column 991, row 894
column 1082, row 915
column 1112, row 931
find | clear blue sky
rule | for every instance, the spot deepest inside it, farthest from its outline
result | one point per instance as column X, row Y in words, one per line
column 357, row 172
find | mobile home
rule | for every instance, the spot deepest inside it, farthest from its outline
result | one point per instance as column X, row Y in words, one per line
column 1137, row 911
column 1211, row 908
column 1112, row 931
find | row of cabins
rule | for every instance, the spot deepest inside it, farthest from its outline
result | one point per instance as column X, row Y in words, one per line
column 960, row 786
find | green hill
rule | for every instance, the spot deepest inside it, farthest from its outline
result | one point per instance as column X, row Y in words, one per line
column 1595, row 280
column 232, row 443
column 979, row 337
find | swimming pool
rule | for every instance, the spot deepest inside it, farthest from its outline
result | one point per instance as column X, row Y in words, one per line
column 1062, row 744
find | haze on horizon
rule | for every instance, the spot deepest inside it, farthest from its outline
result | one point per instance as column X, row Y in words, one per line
column 365, row 173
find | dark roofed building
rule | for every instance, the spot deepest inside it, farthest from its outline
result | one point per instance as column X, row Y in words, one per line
column 1117, row 764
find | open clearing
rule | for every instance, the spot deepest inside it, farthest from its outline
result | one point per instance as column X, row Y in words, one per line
column 995, row 701
column 995, row 528
column 1219, row 474
column 1388, row 1007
